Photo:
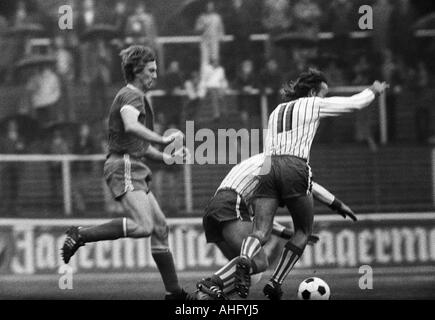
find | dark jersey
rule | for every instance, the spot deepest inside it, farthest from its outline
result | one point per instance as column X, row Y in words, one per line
column 122, row 142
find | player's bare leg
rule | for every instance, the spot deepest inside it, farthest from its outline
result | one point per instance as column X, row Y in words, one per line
column 264, row 209
column 162, row 254
column 301, row 210
column 139, row 225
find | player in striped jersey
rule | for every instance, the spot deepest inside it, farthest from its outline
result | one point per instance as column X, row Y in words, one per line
column 286, row 175
column 228, row 220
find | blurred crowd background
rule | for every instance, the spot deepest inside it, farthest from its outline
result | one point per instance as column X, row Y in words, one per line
column 216, row 59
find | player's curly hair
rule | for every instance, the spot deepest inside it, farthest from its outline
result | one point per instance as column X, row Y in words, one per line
column 307, row 81
column 134, row 60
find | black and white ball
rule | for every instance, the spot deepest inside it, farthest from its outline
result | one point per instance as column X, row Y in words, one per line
column 313, row 289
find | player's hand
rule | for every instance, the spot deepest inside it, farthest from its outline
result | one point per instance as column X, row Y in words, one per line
column 173, row 137
column 380, row 87
column 345, row 211
column 182, row 153
column 313, row 239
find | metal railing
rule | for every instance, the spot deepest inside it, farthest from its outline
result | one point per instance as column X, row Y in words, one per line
column 67, row 160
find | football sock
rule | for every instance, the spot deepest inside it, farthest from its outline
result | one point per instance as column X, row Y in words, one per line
column 250, row 247
column 112, row 230
column 165, row 264
column 289, row 256
column 225, row 276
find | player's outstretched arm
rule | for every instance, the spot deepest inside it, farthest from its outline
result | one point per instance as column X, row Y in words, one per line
column 334, row 106
column 130, row 114
column 327, row 198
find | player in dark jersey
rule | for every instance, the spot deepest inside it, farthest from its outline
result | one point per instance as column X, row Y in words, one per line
column 131, row 137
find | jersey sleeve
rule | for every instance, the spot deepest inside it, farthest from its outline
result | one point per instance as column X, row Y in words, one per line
column 335, row 106
column 132, row 99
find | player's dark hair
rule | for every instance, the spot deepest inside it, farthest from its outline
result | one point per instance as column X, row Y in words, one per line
column 134, row 60
column 304, row 84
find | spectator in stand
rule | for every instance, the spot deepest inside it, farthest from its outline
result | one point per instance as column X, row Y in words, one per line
column 43, row 93
column 83, row 145
column 392, row 74
column 211, row 28
column 362, row 72
column 89, row 16
column 120, row 17
column 276, row 18
column 271, row 81
column 423, row 101
column 298, row 63
column 215, row 82
column 335, row 73
column 57, row 146
column 11, row 143
column 382, row 11
column 402, row 40
column 195, row 94
column 173, row 82
column 307, row 15
column 98, row 77
column 4, row 60
column 141, row 27
column 14, row 47
column 340, row 23
column 247, row 83
column 65, row 70
column 240, row 25
column 119, row 20
column 362, row 76
column 21, row 16
column 173, row 79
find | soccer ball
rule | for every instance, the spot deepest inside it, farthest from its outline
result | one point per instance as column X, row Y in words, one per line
column 313, row 289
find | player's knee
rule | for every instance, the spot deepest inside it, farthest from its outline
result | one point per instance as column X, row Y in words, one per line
column 262, row 236
column 161, row 231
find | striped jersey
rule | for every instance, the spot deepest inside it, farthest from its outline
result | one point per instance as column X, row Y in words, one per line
column 293, row 125
column 242, row 177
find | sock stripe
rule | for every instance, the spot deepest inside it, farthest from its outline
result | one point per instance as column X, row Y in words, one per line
column 227, row 269
column 280, row 263
column 229, row 281
column 289, row 257
column 243, row 248
column 288, row 266
column 229, row 276
column 124, row 227
column 158, row 250
column 250, row 247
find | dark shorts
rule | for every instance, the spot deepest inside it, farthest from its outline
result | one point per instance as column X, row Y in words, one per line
column 226, row 205
column 124, row 173
column 284, row 177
